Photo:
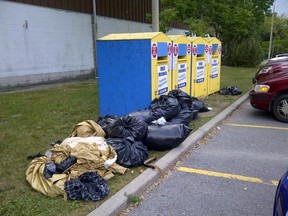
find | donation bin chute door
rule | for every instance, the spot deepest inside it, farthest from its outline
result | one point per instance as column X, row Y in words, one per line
column 214, row 65
column 160, row 72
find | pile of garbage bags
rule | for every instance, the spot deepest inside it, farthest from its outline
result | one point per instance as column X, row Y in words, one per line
column 230, row 90
column 79, row 166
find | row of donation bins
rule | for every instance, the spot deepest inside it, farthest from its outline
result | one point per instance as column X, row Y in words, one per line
column 135, row 68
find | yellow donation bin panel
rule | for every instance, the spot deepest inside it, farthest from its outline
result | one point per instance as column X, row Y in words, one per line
column 199, row 74
column 213, row 64
column 180, row 62
column 132, row 71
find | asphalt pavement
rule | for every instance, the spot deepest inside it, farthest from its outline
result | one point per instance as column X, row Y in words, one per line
column 233, row 171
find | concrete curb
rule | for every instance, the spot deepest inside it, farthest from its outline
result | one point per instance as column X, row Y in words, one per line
column 118, row 202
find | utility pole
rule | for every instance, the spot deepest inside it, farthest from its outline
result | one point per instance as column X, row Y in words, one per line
column 271, row 32
column 95, row 36
column 155, row 15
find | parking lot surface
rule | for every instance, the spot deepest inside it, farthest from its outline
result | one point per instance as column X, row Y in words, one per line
column 233, row 172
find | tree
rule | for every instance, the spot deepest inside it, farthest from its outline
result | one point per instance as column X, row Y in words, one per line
column 280, row 28
column 238, row 25
column 232, row 21
column 176, row 11
column 280, row 34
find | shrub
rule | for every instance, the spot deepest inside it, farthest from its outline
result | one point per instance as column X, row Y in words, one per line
column 278, row 47
column 247, row 52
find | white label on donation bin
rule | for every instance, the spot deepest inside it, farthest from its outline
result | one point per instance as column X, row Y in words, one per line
column 162, row 79
column 214, row 68
column 182, row 75
column 200, row 71
column 207, row 54
column 210, row 54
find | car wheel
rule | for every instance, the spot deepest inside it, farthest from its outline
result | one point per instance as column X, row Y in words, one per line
column 280, row 108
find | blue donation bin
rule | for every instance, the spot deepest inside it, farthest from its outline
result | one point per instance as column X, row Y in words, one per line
column 132, row 71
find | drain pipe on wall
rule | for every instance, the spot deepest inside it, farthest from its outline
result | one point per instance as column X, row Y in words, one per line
column 95, row 36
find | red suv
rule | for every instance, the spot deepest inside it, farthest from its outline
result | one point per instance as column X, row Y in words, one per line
column 271, row 89
column 274, row 65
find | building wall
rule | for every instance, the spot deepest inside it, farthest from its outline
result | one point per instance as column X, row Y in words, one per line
column 107, row 25
column 41, row 44
column 44, row 45
column 131, row 10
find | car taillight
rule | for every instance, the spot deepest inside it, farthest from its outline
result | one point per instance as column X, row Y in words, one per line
column 261, row 88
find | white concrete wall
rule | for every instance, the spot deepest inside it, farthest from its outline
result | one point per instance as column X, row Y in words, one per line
column 39, row 44
column 107, row 25
column 42, row 45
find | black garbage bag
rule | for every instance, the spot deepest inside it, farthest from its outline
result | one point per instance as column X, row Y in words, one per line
column 89, row 186
column 146, row 115
column 230, row 90
column 198, row 104
column 52, row 168
column 167, row 105
column 49, row 170
column 31, row 157
column 165, row 137
column 130, row 153
column 184, row 99
column 65, row 164
column 106, row 122
column 185, row 116
column 128, row 126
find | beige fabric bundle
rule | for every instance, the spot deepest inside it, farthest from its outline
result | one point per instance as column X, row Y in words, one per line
column 87, row 128
column 92, row 155
column 53, row 186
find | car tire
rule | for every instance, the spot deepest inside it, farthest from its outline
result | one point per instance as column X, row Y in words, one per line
column 280, row 108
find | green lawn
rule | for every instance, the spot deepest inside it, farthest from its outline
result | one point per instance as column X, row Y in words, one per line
column 31, row 120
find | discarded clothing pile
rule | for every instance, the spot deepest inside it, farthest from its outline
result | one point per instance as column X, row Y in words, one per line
column 72, row 159
column 79, row 166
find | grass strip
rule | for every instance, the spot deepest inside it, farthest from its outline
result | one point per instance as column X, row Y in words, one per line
column 31, row 120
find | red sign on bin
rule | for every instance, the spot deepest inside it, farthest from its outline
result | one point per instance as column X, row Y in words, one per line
column 188, row 48
column 219, row 50
column 194, row 50
column 210, row 50
column 154, row 50
column 175, row 51
column 206, row 48
column 169, row 48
